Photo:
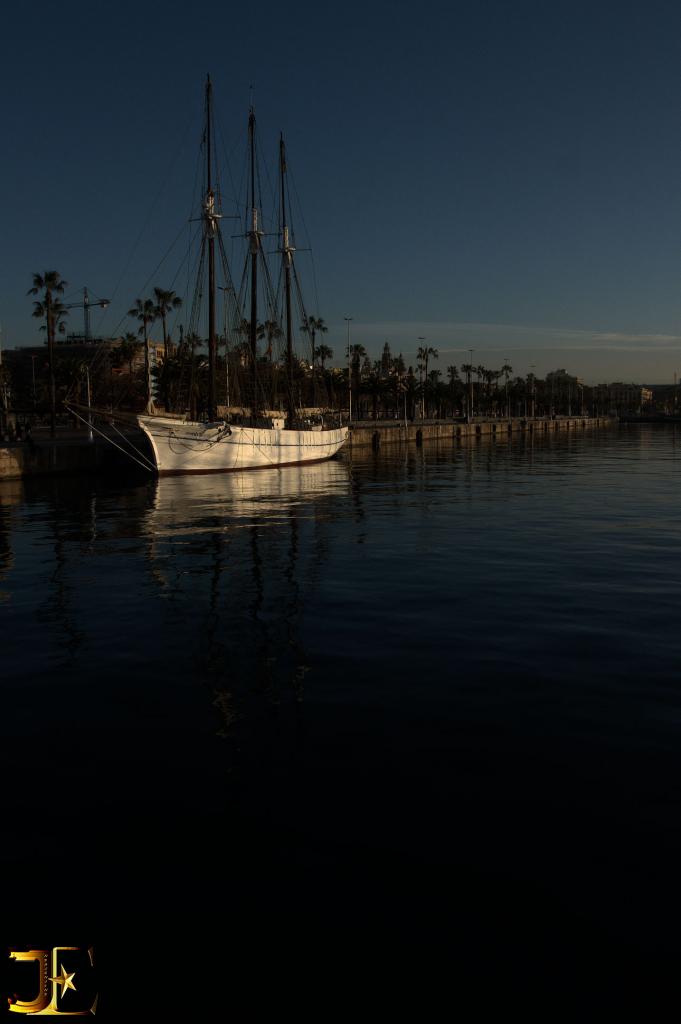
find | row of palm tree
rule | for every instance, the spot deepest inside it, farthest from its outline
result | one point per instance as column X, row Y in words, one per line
column 387, row 391
column 379, row 390
column 146, row 312
column 470, row 389
column 314, row 325
column 181, row 378
column 49, row 286
column 383, row 387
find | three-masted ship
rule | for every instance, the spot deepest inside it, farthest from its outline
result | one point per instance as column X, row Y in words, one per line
column 257, row 438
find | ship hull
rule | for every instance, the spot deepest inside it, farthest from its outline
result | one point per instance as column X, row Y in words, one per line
column 222, row 448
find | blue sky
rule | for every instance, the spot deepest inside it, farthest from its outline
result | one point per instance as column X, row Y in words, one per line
column 499, row 176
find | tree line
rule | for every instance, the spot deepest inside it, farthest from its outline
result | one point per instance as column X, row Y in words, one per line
column 384, row 388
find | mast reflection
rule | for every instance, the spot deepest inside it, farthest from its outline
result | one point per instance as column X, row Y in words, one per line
column 243, row 553
column 11, row 493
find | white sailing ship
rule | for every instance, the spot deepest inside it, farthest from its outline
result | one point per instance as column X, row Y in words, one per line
column 180, row 444
column 213, row 447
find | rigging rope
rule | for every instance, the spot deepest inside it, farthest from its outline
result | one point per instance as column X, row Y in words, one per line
column 170, row 168
column 292, row 182
column 134, row 448
column 106, row 437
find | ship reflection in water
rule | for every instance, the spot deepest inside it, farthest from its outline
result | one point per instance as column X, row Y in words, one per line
column 9, row 495
column 203, row 501
column 412, row 683
column 248, row 547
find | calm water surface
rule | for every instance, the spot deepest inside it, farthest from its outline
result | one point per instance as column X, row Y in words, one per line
column 420, row 696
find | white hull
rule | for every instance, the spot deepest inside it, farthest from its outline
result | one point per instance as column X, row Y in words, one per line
column 219, row 447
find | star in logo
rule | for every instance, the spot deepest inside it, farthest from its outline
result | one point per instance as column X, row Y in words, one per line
column 65, row 980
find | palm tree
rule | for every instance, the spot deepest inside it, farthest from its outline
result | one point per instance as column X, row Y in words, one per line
column 59, row 314
column 129, row 349
column 124, row 355
column 375, row 387
column 166, row 302
column 467, row 368
column 531, row 390
column 489, row 377
column 427, row 353
column 193, row 341
column 423, row 356
column 356, row 353
column 410, row 392
column 421, row 362
column 454, row 381
column 433, row 395
column 269, row 330
column 144, row 310
column 507, row 370
column 323, row 352
column 244, row 347
column 480, row 373
column 311, row 326
column 50, row 284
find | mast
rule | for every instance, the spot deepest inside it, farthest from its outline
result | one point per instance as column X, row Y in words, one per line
column 254, row 236
column 287, row 256
column 86, row 316
column 210, row 226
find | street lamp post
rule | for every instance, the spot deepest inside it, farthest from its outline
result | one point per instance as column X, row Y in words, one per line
column 423, row 411
column 508, row 404
column 85, row 306
column 470, row 386
column 348, row 319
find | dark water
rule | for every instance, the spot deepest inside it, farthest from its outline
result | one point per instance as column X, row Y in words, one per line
column 421, row 705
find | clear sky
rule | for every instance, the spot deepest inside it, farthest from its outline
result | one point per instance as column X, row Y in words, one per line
column 502, row 176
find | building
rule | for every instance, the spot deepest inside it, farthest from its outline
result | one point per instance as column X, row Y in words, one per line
column 619, row 397
column 561, row 378
column 111, row 370
column 562, row 393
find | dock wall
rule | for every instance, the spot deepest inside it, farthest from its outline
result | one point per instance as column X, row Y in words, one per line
column 374, row 434
column 19, row 460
